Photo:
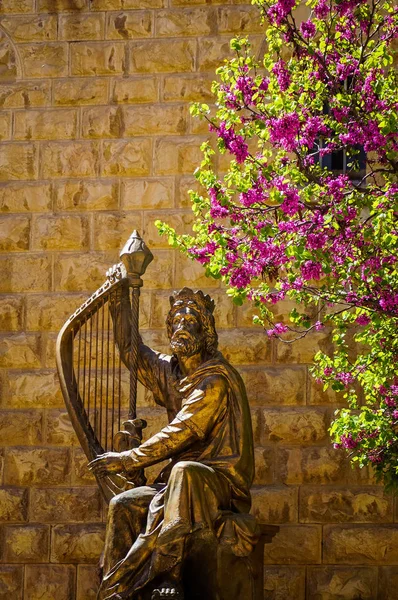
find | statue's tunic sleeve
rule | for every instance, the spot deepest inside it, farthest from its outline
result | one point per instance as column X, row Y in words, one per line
column 203, row 408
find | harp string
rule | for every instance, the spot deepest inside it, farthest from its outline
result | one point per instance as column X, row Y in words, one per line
column 102, row 308
column 107, row 380
column 113, row 384
column 84, row 362
column 96, row 374
column 89, row 367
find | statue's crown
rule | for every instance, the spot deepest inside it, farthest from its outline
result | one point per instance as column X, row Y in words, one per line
column 187, row 296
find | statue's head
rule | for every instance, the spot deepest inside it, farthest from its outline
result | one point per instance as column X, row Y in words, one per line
column 190, row 323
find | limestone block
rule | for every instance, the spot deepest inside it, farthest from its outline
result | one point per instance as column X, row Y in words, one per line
column 19, row 6
column 18, row 161
column 340, row 505
column 189, row 2
column 275, row 385
column 184, row 22
column 264, row 462
column 361, row 544
column 160, row 271
column 44, row 60
column 61, row 505
column 81, row 272
column 80, row 91
column 37, row 466
column 244, row 347
column 22, row 197
column 11, row 313
column 155, row 120
column 5, row 125
column 82, row 26
column 184, row 186
column 138, row 194
column 131, row 158
column 73, row 159
column 97, row 58
column 25, row 273
column 20, row 351
column 295, row 544
column 125, row 4
column 87, row 582
column 59, row 430
column 188, row 88
column 38, row 390
column 11, row 582
column 281, row 583
column 26, row 543
column 60, row 5
column 212, row 52
column 328, row 583
column 135, row 90
column 13, row 506
column 80, row 473
column 46, row 582
column 181, row 221
column 129, row 25
column 77, row 543
column 157, row 340
column 111, row 231
column 304, row 351
column 31, row 28
column 86, row 195
column 21, row 427
column 58, row 124
column 318, row 396
column 60, row 233
column 166, row 56
column 295, row 426
column 103, row 122
column 189, row 273
column 240, row 19
column 49, row 312
column 388, row 583
column 257, row 425
column 175, row 156
column 275, row 505
column 17, row 95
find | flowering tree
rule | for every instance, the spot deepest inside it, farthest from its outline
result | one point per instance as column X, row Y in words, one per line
column 281, row 224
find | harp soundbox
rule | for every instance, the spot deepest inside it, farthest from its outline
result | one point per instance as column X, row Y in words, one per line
column 99, row 392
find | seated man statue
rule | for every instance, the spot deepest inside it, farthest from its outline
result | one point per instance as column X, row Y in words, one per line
column 205, row 488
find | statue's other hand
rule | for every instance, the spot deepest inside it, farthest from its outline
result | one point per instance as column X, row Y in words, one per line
column 105, row 464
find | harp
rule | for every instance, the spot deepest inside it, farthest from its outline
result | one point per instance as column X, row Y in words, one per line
column 99, row 393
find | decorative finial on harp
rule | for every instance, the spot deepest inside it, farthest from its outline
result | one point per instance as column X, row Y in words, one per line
column 136, row 256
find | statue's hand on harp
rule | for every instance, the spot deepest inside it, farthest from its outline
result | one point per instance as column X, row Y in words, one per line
column 111, row 463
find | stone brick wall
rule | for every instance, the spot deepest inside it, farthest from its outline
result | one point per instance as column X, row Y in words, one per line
column 96, row 140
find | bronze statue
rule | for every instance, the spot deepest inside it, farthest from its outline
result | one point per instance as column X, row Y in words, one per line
column 163, row 539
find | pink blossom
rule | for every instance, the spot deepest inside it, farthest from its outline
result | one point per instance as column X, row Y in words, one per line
column 284, row 131
column 282, row 74
column 307, row 29
column 362, row 320
column 311, row 270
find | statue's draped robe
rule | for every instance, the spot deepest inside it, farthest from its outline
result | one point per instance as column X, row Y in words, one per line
column 209, row 442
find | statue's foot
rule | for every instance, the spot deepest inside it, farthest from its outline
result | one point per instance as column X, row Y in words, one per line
column 168, row 591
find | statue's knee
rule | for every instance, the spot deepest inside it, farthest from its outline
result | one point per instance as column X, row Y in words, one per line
column 183, row 469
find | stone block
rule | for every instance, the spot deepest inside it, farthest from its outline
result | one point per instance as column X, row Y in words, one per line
column 275, row 505
column 281, row 583
column 86, row 195
column 87, row 582
column 77, row 543
column 44, row 60
column 185, row 185
column 39, row 389
column 60, row 5
column 80, row 473
column 18, row 161
column 23, row 197
column 111, row 231
column 319, row 396
column 189, row 2
column 343, row 505
column 13, row 506
column 25, row 273
column 189, row 273
column 26, row 543
column 158, row 340
column 155, row 120
column 187, row 88
column 70, row 159
column 264, row 462
column 5, row 125
column 275, row 385
column 59, row 430
column 11, row 580
column 388, row 583
column 257, row 425
column 58, row 124
column 82, row 26
column 135, row 90
column 21, row 427
column 166, row 56
column 60, row 233
column 11, row 313
column 329, row 583
column 62, row 505
column 37, row 466
column 81, row 272
column 50, row 312
column 127, row 158
column 14, row 233
column 245, row 347
column 129, row 25
column 80, row 91
column 161, row 270
column 361, row 544
column 305, row 349
column 32, row 28
column 18, row 95
column 20, row 351
column 295, row 545
column 46, row 582
column 138, row 194
column 185, row 22
column 103, row 122
column 240, row 20
column 175, row 156
column 97, row 58
column 125, row 4
column 212, row 52
column 181, row 221
column 295, row 426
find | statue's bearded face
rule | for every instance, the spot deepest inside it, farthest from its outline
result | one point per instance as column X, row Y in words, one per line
column 187, row 336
